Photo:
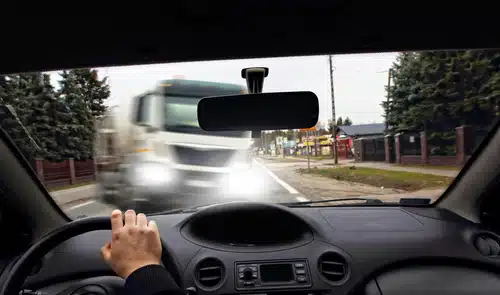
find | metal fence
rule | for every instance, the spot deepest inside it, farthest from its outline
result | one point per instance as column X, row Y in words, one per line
column 410, row 144
column 373, row 149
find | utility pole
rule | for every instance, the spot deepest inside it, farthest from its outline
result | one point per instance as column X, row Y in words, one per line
column 308, row 152
column 263, row 142
column 389, row 76
column 334, row 121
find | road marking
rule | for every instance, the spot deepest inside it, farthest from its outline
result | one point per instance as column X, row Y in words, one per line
column 302, row 199
column 288, row 187
column 81, row 205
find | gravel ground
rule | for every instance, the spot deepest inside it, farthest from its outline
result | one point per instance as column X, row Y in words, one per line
column 314, row 187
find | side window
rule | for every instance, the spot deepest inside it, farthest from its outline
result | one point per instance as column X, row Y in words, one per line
column 143, row 109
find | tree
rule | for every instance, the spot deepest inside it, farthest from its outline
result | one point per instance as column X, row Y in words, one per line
column 330, row 125
column 78, row 142
column 45, row 122
column 62, row 123
column 94, row 91
column 15, row 92
column 347, row 121
column 340, row 122
column 438, row 91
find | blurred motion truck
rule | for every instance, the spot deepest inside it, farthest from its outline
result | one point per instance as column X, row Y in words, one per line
column 156, row 154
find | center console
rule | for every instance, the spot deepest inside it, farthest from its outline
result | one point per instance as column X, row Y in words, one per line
column 253, row 275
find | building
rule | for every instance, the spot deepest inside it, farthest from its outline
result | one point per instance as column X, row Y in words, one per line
column 361, row 130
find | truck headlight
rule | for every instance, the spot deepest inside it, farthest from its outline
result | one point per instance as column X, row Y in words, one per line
column 152, row 174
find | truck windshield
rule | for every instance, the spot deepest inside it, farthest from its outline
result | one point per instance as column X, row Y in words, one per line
column 181, row 116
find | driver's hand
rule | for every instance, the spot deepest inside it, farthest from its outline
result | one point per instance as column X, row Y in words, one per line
column 134, row 244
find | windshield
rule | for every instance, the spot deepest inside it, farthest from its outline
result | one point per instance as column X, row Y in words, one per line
column 181, row 115
column 394, row 128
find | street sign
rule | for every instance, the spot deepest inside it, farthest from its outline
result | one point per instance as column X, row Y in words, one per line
column 308, row 129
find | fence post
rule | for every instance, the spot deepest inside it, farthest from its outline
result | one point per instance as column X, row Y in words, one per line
column 94, row 165
column 387, row 146
column 463, row 143
column 72, row 174
column 39, row 170
column 397, row 148
column 424, row 151
column 361, row 150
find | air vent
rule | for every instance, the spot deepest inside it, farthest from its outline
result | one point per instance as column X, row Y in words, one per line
column 210, row 272
column 488, row 245
column 332, row 267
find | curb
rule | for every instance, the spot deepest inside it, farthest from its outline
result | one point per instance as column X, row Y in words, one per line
column 76, row 194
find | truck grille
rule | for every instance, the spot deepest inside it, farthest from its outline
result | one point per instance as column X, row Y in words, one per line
column 203, row 157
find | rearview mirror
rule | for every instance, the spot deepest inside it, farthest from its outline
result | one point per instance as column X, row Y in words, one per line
column 262, row 111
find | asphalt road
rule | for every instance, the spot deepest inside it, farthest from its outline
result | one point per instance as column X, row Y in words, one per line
column 263, row 186
column 272, row 180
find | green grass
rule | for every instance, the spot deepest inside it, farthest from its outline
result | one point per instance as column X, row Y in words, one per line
column 69, row 186
column 408, row 181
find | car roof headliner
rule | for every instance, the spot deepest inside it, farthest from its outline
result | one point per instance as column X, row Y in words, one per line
column 188, row 31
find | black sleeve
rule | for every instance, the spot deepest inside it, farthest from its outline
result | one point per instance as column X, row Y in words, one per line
column 151, row 280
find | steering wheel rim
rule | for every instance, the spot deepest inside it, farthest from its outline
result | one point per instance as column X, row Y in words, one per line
column 23, row 266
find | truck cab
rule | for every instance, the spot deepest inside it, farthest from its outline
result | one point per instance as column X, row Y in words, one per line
column 168, row 158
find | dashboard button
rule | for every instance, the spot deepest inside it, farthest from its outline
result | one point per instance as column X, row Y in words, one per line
column 253, row 268
column 248, row 283
column 299, row 265
column 241, row 275
column 254, row 275
column 241, row 268
column 301, row 279
column 300, row 271
column 247, row 274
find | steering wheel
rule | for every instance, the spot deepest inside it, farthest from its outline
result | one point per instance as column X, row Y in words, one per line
column 22, row 268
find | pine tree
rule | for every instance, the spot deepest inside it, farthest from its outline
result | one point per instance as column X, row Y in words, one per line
column 95, row 91
column 330, row 125
column 438, row 91
column 44, row 123
column 14, row 92
column 78, row 143
column 347, row 121
column 340, row 121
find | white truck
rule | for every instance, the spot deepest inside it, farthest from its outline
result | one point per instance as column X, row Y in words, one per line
column 155, row 154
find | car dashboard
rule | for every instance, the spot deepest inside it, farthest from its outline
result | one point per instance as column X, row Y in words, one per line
column 259, row 248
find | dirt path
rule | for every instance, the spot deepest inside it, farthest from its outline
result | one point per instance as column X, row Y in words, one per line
column 314, row 187
column 378, row 165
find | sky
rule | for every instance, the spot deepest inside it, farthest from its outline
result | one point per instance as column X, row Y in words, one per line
column 359, row 80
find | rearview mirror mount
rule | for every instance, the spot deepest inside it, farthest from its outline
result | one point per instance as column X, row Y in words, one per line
column 255, row 78
column 255, row 83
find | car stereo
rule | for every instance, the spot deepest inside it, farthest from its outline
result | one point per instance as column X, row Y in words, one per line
column 271, row 274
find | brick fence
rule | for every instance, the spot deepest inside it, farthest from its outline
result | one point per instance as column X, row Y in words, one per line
column 400, row 149
column 67, row 172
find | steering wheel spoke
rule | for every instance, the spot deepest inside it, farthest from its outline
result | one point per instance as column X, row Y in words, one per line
column 23, row 267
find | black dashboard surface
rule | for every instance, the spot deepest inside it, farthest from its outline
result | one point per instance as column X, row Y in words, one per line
column 344, row 250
